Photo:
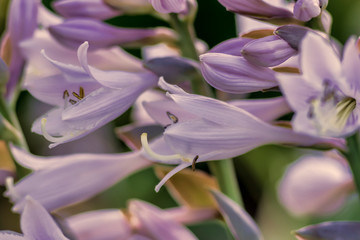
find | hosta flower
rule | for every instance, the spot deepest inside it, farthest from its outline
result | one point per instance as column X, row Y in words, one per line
column 59, row 181
column 315, row 185
column 214, row 130
column 141, row 219
column 85, row 97
column 36, row 223
column 169, row 6
column 325, row 97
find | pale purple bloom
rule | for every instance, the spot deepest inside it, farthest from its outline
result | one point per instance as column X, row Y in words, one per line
column 141, row 219
column 169, row 6
column 304, row 10
column 234, row 74
column 73, row 32
column 85, row 97
column 268, row 51
column 231, row 46
column 22, row 22
column 325, row 97
column 315, row 185
column 85, row 8
column 36, row 223
column 59, row 181
column 216, row 130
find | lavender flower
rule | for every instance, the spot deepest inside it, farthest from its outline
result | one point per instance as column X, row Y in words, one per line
column 36, row 223
column 219, row 131
column 325, row 97
column 87, row 99
column 315, row 185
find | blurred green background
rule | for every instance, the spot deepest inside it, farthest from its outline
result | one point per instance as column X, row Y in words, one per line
column 258, row 171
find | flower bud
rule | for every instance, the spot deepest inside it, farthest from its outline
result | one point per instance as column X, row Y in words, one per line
column 231, row 46
column 268, row 51
column 84, row 8
column 330, row 231
column 169, row 6
column 235, row 74
column 304, row 10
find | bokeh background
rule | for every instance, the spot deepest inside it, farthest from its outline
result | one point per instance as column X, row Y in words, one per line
column 258, row 171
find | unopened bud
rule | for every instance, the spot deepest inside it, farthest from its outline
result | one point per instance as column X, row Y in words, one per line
column 304, row 10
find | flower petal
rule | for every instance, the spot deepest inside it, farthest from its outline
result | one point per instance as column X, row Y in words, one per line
column 350, row 65
column 169, row 6
column 36, row 222
column 77, row 180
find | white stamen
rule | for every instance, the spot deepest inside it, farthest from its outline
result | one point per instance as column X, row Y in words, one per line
column 151, row 153
column 57, row 140
column 9, row 183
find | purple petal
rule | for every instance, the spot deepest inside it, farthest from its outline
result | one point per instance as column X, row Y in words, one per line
column 256, row 8
column 155, row 225
column 8, row 235
column 84, row 8
column 5, row 173
column 36, row 222
column 350, row 65
column 240, row 222
column 292, row 34
column 234, row 74
column 107, row 224
column 304, row 10
column 267, row 109
column 169, row 6
column 73, row 32
column 315, row 185
column 317, row 51
column 268, row 51
column 77, row 179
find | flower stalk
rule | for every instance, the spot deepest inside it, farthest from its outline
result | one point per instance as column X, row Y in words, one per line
column 353, row 157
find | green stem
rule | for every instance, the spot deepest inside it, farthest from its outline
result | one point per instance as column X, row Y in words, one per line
column 353, row 157
column 225, row 173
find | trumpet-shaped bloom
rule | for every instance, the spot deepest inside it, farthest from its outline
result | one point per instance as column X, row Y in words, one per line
column 169, row 6
column 86, row 97
column 63, row 180
column 220, row 131
column 325, row 97
column 73, row 32
column 315, row 185
column 36, row 223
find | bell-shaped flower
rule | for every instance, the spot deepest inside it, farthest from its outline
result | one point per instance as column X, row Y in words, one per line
column 87, row 99
column 234, row 74
column 59, row 181
column 325, row 97
column 218, row 130
column 22, row 22
column 315, row 185
column 73, row 32
column 141, row 219
column 268, row 51
column 84, row 8
column 36, row 223
column 169, row 6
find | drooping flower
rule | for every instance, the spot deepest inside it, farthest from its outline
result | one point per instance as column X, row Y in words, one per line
column 85, row 97
column 59, row 181
column 325, row 97
column 36, row 223
column 315, row 185
column 216, row 130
